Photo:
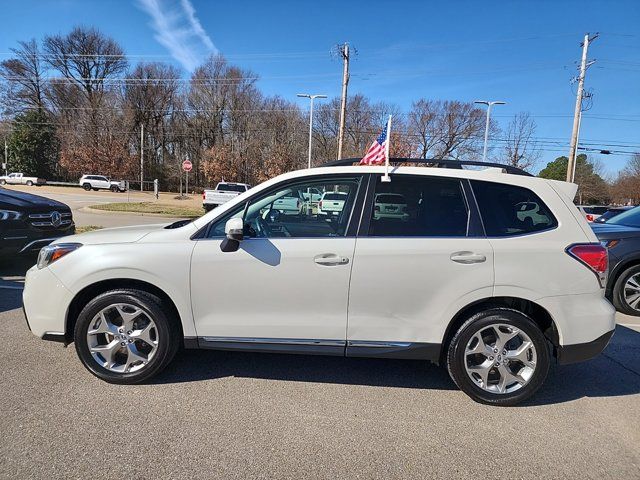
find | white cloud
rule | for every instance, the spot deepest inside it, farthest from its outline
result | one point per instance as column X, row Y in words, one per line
column 178, row 29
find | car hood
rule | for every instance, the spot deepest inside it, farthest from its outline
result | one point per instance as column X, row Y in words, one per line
column 113, row 235
column 607, row 231
column 13, row 198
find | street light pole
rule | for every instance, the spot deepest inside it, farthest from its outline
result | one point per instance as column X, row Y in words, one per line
column 489, row 104
column 311, row 99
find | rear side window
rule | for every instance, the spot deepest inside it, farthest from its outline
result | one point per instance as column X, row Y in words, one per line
column 509, row 210
column 419, row 206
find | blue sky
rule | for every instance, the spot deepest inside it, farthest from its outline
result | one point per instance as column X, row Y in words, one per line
column 524, row 53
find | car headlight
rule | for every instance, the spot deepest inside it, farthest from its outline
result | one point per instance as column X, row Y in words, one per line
column 51, row 253
column 10, row 215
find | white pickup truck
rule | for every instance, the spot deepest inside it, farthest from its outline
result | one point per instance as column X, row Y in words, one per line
column 224, row 192
column 20, row 179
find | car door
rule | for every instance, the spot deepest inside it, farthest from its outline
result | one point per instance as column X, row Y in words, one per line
column 413, row 272
column 288, row 282
column 102, row 182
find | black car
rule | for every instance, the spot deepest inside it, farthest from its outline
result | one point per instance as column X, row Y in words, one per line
column 29, row 222
column 610, row 213
column 621, row 235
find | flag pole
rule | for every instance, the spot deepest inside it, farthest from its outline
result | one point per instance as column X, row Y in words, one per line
column 386, row 177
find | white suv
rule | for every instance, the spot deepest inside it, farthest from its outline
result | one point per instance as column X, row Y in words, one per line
column 463, row 281
column 100, row 182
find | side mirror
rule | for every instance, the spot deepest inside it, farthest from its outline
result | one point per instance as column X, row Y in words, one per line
column 234, row 230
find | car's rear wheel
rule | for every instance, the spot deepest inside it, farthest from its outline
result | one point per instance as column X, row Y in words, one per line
column 3, row 182
column 86, row 186
column 29, row 183
column 499, row 357
column 626, row 291
column 126, row 336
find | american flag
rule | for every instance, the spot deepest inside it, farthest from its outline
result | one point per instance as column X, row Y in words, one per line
column 376, row 155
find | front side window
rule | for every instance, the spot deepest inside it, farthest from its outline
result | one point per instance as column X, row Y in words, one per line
column 419, row 206
column 286, row 211
column 510, row 210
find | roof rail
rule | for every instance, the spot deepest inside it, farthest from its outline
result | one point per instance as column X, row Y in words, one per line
column 436, row 163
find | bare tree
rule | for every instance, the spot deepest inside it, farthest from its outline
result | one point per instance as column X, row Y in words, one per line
column 423, row 127
column 23, row 78
column 87, row 58
column 520, row 149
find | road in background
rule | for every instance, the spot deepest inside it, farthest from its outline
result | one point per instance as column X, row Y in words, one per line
column 78, row 199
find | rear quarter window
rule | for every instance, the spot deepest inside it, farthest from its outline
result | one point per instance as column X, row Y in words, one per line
column 508, row 210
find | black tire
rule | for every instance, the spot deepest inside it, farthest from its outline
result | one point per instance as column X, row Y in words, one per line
column 3, row 182
column 166, row 324
column 29, row 183
column 114, row 189
column 617, row 293
column 86, row 186
column 456, row 356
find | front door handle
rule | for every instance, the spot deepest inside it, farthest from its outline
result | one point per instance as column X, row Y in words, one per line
column 330, row 259
column 467, row 257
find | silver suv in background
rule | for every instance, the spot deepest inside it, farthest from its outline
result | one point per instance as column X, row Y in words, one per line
column 100, row 182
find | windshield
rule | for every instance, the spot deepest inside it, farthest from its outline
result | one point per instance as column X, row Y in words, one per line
column 231, row 188
column 630, row 218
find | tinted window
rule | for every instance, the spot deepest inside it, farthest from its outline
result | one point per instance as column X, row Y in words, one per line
column 510, row 210
column 334, row 196
column 283, row 212
column 630, row 218
column 419, row 206
column 231, row 188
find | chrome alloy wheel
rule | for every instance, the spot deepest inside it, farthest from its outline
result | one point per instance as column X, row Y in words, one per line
column 631, row 291
column 122, row 338
column 500, row 358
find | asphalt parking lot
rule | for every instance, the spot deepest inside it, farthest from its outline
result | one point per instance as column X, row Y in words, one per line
column 224, row 414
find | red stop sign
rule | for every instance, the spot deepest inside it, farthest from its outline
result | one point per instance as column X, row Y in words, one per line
column 187, row 165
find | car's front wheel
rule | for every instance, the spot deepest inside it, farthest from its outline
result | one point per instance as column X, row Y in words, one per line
column 126, row 336
column 626, row 291
column 499, row 357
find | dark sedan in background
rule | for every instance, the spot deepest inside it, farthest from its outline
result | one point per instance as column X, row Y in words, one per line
column 621, row 235
column 29, row 222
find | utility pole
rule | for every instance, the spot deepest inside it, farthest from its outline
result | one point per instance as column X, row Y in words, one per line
column 344, row 51
column 6, row 158
column 578, row 110
column 141, row 156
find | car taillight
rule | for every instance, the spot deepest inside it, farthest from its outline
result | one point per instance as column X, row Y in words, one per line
column 589, row 218
column 594, row 256
column 377, row 208
column 320, row 204
column 204, row 196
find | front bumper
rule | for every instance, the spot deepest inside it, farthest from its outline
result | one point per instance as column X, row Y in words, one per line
column 45, row 301
column 580, row 352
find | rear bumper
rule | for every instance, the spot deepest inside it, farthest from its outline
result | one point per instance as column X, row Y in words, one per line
column 580, row 352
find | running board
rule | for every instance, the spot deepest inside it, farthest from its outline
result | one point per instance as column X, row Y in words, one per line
column 304, row 346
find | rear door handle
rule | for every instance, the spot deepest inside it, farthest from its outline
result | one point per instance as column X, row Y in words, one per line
column 330, row 259
column 467, row 257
